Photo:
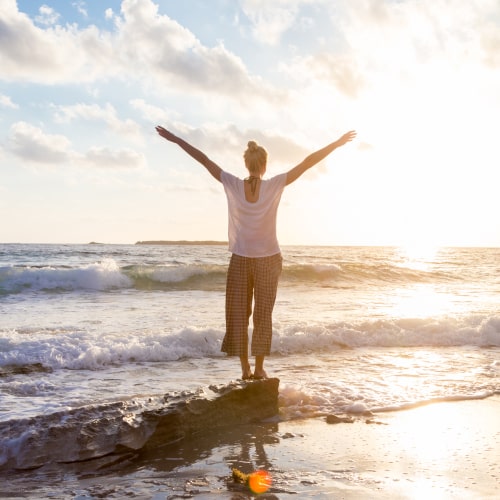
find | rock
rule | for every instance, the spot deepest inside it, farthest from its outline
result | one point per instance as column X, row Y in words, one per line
column 122, row 427
column 28, row 369
column 372, row 421
column 233, row 404
column 334, row 419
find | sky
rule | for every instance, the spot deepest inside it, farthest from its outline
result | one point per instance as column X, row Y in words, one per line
column 83, row 84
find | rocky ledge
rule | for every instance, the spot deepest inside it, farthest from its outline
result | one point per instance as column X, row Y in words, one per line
column 119, row 427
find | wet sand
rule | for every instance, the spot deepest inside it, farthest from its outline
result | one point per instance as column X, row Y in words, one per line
column 438, row 451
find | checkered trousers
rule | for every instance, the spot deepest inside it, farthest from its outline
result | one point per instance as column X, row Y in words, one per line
column 250, row 280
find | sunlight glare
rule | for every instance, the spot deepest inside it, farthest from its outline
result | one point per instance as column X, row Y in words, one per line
column 419, row 255
column 428, row 441
column 421, row 302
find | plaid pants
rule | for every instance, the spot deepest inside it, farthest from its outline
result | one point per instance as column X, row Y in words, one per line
column 248, row 279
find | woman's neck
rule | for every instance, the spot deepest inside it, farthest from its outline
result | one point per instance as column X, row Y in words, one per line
column 253, row 180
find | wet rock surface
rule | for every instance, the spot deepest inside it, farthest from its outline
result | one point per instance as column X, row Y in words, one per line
column 145, row 424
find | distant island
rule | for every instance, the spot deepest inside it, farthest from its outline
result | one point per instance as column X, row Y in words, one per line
column 181, row 242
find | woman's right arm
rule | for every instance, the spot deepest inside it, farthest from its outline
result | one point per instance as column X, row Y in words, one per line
column 195, row 153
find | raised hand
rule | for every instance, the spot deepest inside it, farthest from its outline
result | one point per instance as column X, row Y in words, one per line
column 347, row 137
column 165, row 133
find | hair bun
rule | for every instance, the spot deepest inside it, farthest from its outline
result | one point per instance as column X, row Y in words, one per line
column 255, row 158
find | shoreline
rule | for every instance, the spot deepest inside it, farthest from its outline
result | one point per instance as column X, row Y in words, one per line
column 441, row 450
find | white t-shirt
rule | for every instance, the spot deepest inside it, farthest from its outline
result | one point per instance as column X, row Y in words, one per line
column 252, row 226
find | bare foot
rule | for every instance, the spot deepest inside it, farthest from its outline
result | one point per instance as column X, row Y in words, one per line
column 259, row 375
column 246, row 373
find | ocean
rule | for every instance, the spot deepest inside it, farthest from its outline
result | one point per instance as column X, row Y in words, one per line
column 356, row 329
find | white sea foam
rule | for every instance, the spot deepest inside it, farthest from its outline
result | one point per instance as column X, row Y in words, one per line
column 100, row 276
column 176, row 274
column 80, row 350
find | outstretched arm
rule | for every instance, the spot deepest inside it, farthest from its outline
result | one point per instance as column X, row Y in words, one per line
column 198, row 155
column 316, row 157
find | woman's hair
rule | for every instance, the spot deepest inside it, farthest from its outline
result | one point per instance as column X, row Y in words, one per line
column 255, row 158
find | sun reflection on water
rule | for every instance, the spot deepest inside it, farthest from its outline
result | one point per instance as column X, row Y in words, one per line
column 418, row 256
column 421, row 301
column 430, row 440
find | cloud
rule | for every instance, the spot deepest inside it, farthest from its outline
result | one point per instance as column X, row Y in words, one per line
column 143, row 43
column 53, row 55
column 161, row 48
column 270, row 20
column 151, row 113
column 31, row 144
column 48, row 16
column 339, row 70
column 105, row 158
column 6, row 102
column 106, row 113
column 396, row 34
column 490, row 44
column 80, row 7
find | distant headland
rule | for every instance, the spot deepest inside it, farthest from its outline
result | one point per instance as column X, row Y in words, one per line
column 181, row 242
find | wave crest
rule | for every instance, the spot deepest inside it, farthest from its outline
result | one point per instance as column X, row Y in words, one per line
column 95, row 351
column 107, row 275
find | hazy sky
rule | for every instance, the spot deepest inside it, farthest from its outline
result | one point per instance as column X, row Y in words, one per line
column 83, row 84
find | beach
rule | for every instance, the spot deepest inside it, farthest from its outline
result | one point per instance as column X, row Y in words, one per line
column 440, row 450
column 94, row 337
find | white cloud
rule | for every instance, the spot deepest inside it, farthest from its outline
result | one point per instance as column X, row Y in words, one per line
column 80, row 7
column 33, row 145
column 105, row 158
column 270, row 20
column 144, row 46
column 107, row 114
column 48, row 16
column 160, row 48
column 340, row 71
column 6, row 102
column 490, row 42
column 52, row 55
column 152, row 113
column 30, row 143
column 414, row 33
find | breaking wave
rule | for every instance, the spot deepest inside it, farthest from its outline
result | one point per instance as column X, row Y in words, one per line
column 81, row 350
column 107, row 275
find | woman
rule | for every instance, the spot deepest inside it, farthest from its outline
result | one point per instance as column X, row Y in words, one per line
column 255, row 264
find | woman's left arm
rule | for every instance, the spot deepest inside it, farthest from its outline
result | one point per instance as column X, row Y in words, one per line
column 317, row 156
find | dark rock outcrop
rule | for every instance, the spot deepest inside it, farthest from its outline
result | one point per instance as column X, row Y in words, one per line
column 234, row 404
column 335, row 419
column 140, row 424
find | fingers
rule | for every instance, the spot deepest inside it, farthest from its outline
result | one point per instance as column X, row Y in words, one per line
column 162, row 131
column 349, row 136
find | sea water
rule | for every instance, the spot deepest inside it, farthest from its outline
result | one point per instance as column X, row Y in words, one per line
column 356, row 329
